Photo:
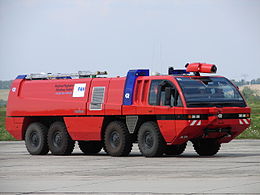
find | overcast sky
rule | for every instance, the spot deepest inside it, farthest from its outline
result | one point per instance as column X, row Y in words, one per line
column 116, row 35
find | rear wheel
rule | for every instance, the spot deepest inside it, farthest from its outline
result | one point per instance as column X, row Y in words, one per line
column 59, row 140
column 175, row 149
column 117, row 139
column 206, row 147
column 90, row 147
column 36, row 139
column 150, row 140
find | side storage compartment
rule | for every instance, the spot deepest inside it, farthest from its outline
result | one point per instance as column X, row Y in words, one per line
column 114, row 101
column 85, row 127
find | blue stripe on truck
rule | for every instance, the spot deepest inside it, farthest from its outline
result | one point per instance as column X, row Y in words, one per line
column 21, row 77
column 130, row 84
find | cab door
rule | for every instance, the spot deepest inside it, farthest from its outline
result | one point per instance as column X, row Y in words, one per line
column 164, row 97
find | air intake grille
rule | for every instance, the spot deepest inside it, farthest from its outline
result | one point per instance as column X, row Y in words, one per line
column 97, row 98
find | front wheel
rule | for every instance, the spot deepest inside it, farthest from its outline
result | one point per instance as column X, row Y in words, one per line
column 59, row 140
column 150, row 140
column 206, row 147
column 36, row 139
column 175, row 149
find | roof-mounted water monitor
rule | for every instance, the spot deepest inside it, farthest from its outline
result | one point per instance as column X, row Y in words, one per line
column 201, row 68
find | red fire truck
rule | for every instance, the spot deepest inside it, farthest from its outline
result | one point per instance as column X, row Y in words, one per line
column 161, row 113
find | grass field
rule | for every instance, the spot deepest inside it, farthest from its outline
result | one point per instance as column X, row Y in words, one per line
column 253, row 132
column 255, row 87
column 4, row 94
column 4, row 135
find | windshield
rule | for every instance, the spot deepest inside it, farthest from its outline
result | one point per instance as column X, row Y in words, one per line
column 210, row 91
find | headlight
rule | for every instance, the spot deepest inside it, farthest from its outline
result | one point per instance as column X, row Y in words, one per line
column 244, row 115
column 193, row 116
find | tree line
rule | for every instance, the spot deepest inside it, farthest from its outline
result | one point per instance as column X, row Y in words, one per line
column 244, row 82
column 5, row 84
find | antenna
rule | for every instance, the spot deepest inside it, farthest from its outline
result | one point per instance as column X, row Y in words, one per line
column 160, row 53
column 49, row 76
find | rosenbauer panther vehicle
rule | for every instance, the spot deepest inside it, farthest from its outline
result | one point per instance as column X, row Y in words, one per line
column 161, row 113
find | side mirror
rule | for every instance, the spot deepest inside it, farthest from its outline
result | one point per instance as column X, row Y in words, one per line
column 168, row 93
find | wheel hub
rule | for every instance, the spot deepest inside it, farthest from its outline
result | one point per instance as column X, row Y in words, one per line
column 35, row 139
column 115, row 139
column 57, row 139
column 148, row 140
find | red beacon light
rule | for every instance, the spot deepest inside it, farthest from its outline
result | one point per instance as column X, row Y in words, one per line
column 201, row 68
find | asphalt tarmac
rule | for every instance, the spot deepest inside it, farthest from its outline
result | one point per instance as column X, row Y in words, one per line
column 235, row 169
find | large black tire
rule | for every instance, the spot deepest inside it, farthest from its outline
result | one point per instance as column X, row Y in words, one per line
column 36, row 139
column 118, row 141
column 206, row 147
column 90, row 147
column 59, row 141
column 150, row 140
column 175, row 149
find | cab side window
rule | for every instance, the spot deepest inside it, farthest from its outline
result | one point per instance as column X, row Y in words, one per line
column 175, row 99
column 154, row 92
column 159, row 89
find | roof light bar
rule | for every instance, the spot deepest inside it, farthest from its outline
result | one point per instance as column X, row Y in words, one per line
column 172, row 71
column 48, row 76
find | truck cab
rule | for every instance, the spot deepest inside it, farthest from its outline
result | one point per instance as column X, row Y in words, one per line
column 207, row 110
